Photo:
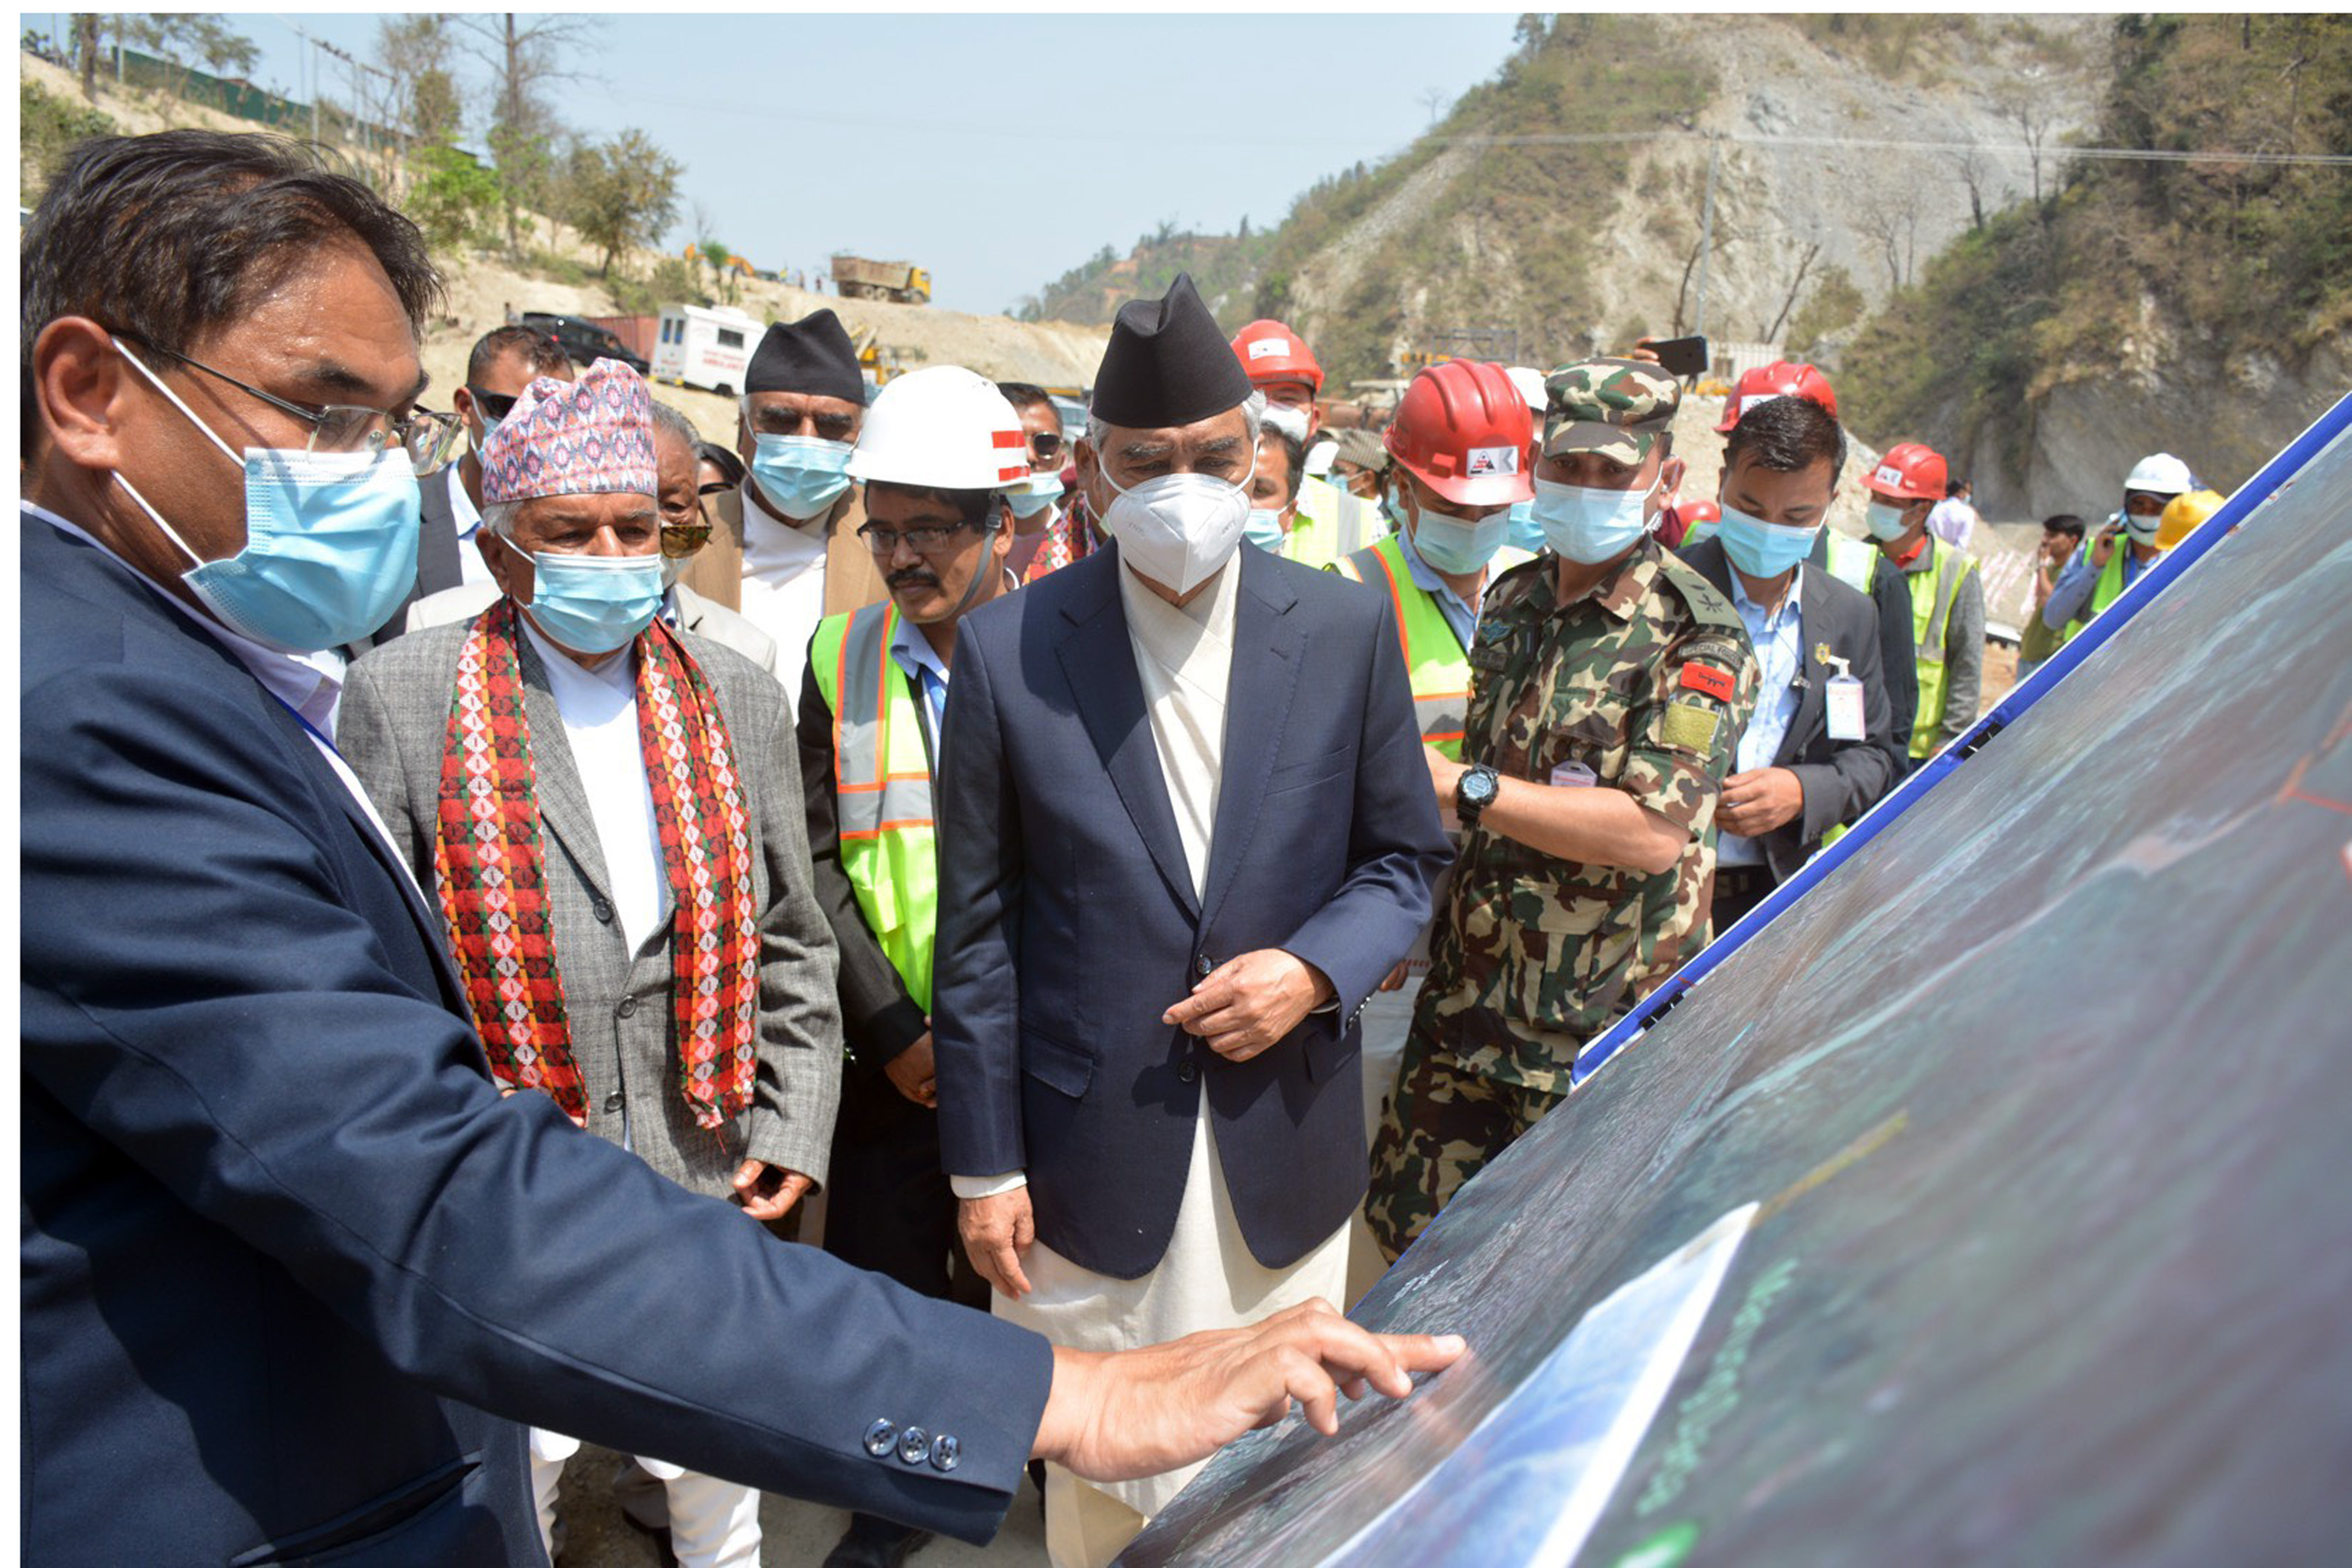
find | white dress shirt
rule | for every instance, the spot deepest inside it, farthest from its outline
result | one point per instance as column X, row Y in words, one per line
column 600, row 721
column 471, row 567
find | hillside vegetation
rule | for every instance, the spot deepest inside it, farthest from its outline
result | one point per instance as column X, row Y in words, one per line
column 2139, row 267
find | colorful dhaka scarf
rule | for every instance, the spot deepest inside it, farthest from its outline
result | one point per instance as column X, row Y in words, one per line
column 491, row 869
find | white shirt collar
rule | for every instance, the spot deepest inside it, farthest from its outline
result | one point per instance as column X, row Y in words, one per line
column 467, row 516
column 775, row 547
column 310, row 683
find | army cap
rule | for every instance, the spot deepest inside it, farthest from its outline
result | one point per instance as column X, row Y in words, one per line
column 1617, row 407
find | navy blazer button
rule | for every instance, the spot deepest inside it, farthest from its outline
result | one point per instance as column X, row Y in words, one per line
column 1203, row 965
column 628, row 1006
column 913, row 1444
column 612, row 1102
column 601, row 911
column 880, row 1438
column 945, row 1452
column 1187, row 1071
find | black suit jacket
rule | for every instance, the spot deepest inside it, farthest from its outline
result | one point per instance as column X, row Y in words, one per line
column 1842, row 779
column 437, row 558
column 282, row 1242
column 1068, row 922
column 1897, row 660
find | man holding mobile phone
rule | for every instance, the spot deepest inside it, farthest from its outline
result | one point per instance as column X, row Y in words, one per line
column 2099, row 573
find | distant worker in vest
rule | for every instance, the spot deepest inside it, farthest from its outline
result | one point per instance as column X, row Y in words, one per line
column 1037, row 498
column 2061, row 536
column 1328, row 522
column 1947, row 594
column 2122, row 550
column 1459, row 444
column 636, row 828
column 1609, row 686
column 804, row 400
column 940, row 456
column 1820, row 750
column 1360, row 466
column 1851, row 561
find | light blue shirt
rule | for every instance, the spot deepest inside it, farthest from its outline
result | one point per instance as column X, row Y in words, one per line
column 1458, row 612
column 1780, row 638
column 917, row 658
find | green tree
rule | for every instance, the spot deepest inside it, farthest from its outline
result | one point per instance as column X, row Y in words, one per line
column 451, row 196
column 621, row 194
column 418, row 50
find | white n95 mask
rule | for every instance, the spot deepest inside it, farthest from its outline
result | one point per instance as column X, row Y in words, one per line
column 1178, row 528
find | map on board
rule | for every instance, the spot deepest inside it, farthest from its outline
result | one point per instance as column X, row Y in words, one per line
column 2043, row 1098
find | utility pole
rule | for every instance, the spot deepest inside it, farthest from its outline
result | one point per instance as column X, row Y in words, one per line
column 1706, row 234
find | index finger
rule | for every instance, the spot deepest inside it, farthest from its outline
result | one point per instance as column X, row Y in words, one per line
column 1210, row 996
column 1384, row 1361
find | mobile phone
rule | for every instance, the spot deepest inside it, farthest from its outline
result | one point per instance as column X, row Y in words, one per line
column 1681, row 356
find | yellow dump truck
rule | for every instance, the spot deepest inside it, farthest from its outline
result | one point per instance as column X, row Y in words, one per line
column 855, row 278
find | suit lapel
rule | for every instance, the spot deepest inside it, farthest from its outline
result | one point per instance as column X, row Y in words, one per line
column 1099, row 663
column 1810, row 691
column 563, row 802
column 1257, row 709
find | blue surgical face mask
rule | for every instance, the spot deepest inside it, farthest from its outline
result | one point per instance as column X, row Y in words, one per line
column 1460, row 548
column 1526, row 532
column 1884, row 520
column 1264, row 529
column 801, row 475
column 1589, row 526
column 1038, row 493
column 489, row 428
column 594, row 604
column 1392, row 505
column 330, row 542
column 1762, row 549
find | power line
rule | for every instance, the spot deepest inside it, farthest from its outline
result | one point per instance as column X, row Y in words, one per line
column 2144, row 154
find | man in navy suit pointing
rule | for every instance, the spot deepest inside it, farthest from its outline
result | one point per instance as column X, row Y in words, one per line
column 292, row 1270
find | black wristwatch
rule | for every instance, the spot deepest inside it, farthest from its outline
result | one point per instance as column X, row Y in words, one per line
column 1473, row 792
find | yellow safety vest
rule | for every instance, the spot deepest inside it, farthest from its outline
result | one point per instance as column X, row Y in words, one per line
column 1853, row 560
column 881, row 789
column 1933, row 593
column 1435, row 660
column 1329, row 524
column 2108, row 589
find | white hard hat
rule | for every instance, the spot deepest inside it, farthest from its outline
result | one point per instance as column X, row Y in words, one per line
column 1530, row 383
column 2160, row 474
column 942, row 427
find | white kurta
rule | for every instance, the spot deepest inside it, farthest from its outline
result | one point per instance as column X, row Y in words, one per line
column 1207, row 1278
column 783, row 586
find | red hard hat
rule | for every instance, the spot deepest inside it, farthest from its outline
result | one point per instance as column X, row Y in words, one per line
column 1781, row 378
column 1271, row 352
column 1693, row 511
column 1911, row 470
column 1463, row 429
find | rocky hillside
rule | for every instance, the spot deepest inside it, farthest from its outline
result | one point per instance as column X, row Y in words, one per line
column 2202, row 308
column 1557, row 206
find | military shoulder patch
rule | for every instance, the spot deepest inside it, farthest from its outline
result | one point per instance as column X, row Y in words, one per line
column 1707, row 606
column 1705, row 677
column 1689, row 727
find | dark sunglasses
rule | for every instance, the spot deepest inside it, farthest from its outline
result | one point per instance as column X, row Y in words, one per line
column 1046, row 446
column 496, row 405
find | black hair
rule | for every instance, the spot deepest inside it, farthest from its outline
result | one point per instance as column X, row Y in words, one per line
column 171, row 236
column 979, row 509
column 1788, row 435
column 1025, row 394
column 1294, row 450
column 1953, row 487
column 541, row 352
column 2065, row 522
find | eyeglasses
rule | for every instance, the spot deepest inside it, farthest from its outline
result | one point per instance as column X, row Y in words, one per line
column 921, row 541
column 1046, row 446
column 425, row 436
column 681, row 539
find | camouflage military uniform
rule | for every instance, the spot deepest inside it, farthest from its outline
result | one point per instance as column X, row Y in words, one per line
column 1643, row 686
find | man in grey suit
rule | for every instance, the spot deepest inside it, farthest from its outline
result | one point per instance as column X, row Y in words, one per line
column 609, row 812
column 1822, row 747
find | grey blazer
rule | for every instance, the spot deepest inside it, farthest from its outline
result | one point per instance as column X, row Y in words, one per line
column 390, row 729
